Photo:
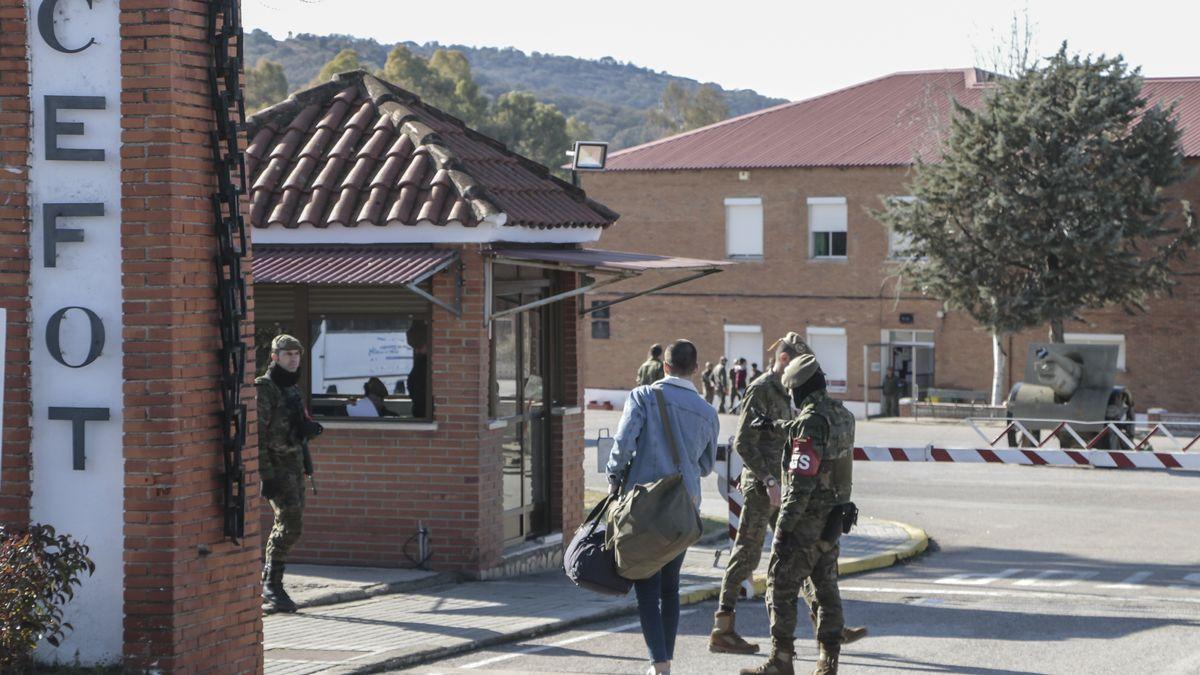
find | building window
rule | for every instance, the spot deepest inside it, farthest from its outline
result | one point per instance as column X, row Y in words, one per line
column 744, row 227
column 1100, row 339
column 600, row 322
column 827, row 227
column 367, row 349
column 829, row 346
column 898, row 244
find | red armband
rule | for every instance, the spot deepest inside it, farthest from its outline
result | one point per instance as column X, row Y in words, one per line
column 806, row 461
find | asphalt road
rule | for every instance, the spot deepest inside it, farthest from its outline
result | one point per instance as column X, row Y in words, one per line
column 1032, row 570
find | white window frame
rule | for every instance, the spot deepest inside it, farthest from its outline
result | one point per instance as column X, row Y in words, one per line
column 742, row 236
column 813, row 231
column 895, row 252
column 838, row 332
column 1117, row 339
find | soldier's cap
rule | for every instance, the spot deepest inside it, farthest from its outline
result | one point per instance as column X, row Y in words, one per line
column 284, row 341
column 799, row 370
column 793, row 340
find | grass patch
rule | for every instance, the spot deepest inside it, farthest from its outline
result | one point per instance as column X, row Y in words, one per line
column 592, row 497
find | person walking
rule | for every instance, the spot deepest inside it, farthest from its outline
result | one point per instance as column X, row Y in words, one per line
column 761, row 452
column 720, row 378
column 281, row 438
column 706, row 382
column 805, row 547
column 651, row 370
column 642, row 448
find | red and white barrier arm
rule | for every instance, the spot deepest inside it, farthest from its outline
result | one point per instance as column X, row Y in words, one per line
column 1109, row 459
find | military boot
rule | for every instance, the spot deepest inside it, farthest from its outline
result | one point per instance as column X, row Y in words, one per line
column 827, row 662
column 274, row 597
column 853, row 634
column 780, row 663
column 725, row 640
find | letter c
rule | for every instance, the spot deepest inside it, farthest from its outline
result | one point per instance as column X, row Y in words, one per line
column 45, row 22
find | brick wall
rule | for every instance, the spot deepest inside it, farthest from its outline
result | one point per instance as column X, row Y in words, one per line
column 191, row 597
column 14, row 262
column 682, row 213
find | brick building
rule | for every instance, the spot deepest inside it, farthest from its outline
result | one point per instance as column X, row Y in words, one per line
column 397, row 244
column 787, row 192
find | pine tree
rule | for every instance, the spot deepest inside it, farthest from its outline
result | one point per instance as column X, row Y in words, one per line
column 1049, row 200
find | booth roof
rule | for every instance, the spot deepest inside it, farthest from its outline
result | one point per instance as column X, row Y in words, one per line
column 359, row 151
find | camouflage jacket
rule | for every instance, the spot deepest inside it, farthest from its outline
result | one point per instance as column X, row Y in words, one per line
column 820, row 436
column 650, row 372
column 279, row 445
column 762, row 451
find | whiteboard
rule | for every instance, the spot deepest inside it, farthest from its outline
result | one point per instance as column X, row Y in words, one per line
column 372, row 354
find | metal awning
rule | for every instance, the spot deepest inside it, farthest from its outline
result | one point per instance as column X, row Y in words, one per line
column 613, row 266
column 373, row 265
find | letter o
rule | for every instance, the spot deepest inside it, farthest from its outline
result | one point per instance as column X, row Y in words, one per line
column 54, row 326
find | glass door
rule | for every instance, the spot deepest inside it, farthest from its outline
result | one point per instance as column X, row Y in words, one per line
column 520, row 398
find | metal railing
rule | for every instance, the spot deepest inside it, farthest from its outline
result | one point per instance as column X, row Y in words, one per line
column 1089, row 434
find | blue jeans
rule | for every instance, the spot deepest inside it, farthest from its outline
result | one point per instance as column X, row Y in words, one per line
column 658, row 609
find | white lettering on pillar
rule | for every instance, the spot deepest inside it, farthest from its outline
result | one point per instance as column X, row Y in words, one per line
column 75, row 288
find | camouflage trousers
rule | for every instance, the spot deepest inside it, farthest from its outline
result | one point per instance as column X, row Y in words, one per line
column 288, row 505
column 757, row 516
column 809, row 565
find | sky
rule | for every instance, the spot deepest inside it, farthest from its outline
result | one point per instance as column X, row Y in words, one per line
column 790, row 50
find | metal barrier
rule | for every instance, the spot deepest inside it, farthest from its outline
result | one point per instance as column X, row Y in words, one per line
column 1018, row 431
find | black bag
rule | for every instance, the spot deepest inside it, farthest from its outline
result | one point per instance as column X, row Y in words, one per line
column 588, row 562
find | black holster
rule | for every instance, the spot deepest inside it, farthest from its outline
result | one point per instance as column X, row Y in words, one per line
column 841, row 519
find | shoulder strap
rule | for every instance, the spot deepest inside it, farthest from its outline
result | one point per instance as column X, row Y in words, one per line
column 666, row 422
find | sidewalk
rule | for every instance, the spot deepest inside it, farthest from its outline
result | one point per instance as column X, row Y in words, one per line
column 402, row 620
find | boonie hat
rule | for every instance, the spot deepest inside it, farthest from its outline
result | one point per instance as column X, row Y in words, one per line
column 799, row 370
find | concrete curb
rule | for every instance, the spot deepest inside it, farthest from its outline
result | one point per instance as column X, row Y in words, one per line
column 353, row 594
column 917, row 542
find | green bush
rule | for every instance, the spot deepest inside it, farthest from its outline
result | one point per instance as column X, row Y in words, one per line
column 38, row 572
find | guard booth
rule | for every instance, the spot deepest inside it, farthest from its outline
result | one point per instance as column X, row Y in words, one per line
column 405, row 249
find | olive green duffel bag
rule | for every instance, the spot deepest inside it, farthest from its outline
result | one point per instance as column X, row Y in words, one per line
column 651, row 524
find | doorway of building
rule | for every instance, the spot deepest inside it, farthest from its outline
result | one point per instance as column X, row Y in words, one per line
column 521, row 402
column 910, row 354
column 742, row 342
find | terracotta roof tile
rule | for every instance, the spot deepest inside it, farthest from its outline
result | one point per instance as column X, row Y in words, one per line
column 883, row 122
column 359, row 151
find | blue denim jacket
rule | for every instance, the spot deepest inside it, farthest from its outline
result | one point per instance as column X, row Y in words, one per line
column 639, row 435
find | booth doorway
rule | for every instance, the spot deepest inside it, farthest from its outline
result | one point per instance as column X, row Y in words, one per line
column 910, row 354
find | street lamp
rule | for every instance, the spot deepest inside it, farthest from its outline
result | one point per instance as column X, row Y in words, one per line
column 587, row 156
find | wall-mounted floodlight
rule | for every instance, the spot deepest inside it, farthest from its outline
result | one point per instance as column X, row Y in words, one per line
column 589, row 156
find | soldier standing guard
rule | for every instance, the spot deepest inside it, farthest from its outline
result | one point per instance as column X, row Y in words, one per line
column 819, row 439
column 891, row 394
column 284, row 428
column 761, row 452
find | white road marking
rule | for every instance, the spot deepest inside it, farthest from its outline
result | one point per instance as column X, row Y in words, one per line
column 1131, row 582
column 1066, row 578
column 569, row 641
column 976, row 579
column 1011, row 594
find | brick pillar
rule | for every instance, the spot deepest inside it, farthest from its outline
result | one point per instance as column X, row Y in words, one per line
column 15, row 125
column 566, row 458
column 191, row 596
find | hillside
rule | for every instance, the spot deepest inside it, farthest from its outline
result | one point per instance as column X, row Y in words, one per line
column 612, row 98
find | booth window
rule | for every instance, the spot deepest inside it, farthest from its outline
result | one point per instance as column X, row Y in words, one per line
column 367, row 348
column 601, row 330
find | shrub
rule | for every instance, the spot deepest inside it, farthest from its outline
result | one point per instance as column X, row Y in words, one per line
column 38, row 572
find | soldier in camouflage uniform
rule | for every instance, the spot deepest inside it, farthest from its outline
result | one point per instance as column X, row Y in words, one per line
column 819, row 440
column 281, row 462
column 760, row 451
column 652, row 370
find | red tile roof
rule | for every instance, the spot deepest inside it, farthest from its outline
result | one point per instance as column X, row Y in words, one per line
column 359, row 151
column 374, row 265
column 883, row 122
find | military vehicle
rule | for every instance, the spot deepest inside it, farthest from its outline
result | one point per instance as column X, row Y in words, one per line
column 1075, row 383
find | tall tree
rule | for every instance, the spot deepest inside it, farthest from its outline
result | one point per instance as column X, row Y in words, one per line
column 680, row 110
column 444, row 81
column 347, row 59
column 529, row 127
column 1049, row 200
column 265, row 85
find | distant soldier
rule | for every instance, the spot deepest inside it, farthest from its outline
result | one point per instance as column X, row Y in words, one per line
column 284, row 428
column 706, row 382
column 761, row 452
column 891, row 394
column 820, row 442
column 652, row 370
column 720, row 378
